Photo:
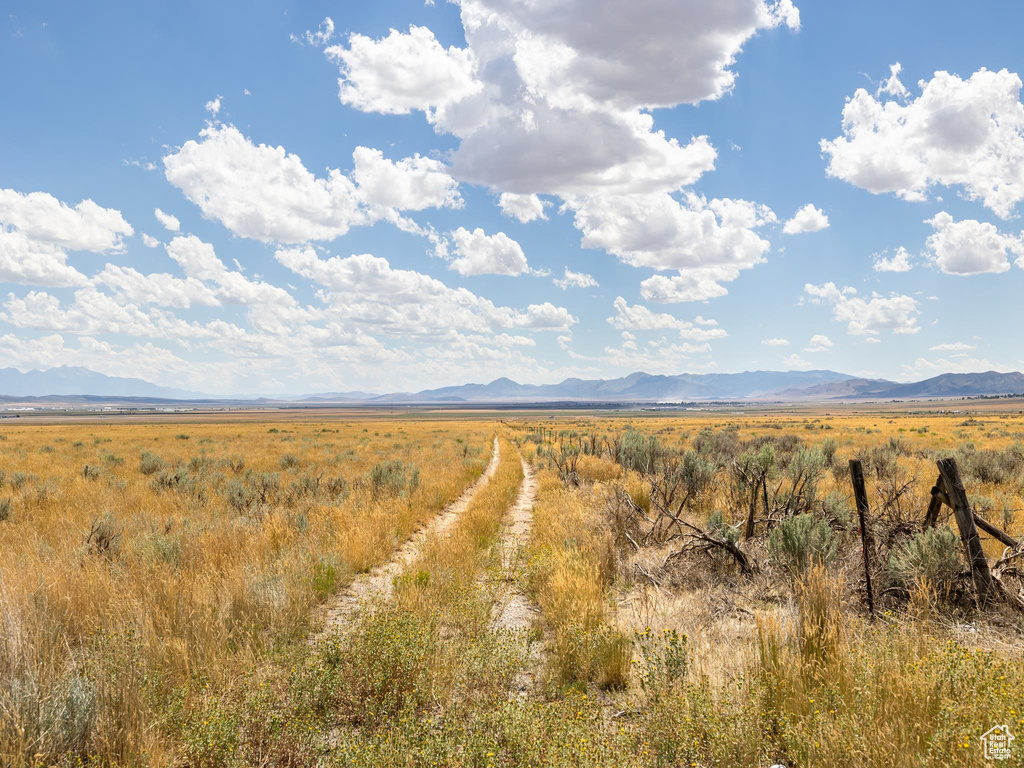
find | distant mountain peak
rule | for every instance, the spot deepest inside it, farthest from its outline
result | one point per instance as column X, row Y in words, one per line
column 637, row 387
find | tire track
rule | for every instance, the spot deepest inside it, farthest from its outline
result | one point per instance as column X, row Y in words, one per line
column 513, row 610
column 379, row 582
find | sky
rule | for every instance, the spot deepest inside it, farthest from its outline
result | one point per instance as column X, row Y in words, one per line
column 296, row 197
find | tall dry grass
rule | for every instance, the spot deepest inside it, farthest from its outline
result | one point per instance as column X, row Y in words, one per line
column 130, row 590
column 571, row 566
column 430, row 649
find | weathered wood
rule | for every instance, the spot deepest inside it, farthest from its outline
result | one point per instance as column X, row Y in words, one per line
column 994, row 532
column 985, row 525
column 941, row 496
column 749, row 532
column 931, row 517
column 968, row 530
column 861, row 494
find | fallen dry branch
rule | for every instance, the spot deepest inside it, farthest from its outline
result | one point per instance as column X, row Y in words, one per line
column 701, row 541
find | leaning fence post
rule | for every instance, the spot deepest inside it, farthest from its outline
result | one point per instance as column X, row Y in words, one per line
column 861, row 494
column 931, row 517
column 968, row 531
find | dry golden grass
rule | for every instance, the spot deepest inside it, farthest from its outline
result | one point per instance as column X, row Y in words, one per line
column 162, row 618
column 121, row 601
column 777, row 671
column 571, row 566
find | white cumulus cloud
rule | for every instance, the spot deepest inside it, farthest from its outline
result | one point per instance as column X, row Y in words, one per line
column 637, row 317
column 959, row 133
column 30, row 262
column 403, row 72
column 199, row 262
column 42, row 218
column 158, row 289
column 575, row 280
column 366, row 290
column 265, row 193
column 867, row 317
column 795, row 362
column 898, row 262
column 170, row 222
column 807, row 219
column 481, row 254
column 544, row 103
column 706, row 242
column 526, row 208
column 411, row 184
column 554, row 98
column 819, row 343
column 261, row 192
column 37, row 230
column 970, row 247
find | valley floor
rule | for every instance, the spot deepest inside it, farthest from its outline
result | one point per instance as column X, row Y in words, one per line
column 516, row 591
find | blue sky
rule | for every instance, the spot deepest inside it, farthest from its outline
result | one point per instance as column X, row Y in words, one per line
column 334, row 190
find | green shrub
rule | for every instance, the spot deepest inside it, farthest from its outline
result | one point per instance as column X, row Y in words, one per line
column 5, row 509
column 287, row 461
column 805, row 471
column 391, row 478
column 837, row 509
column 638, row 451
column 933, row 554
column 799, row 541
column 111, row 459
column 988, row 466
column 150, row 463
column 69, row 716
column 688, row 476
column 829, row 447
column 306, row 486
column 239, row 495
column 720, row 447
column 255, row 489
column 183, row 481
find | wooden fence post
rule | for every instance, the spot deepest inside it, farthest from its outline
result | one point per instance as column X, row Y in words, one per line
column 968, row 531
column 861, row 494
column 995, row 533
column 931, row 517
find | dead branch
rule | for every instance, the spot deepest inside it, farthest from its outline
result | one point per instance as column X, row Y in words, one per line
column 702, row 541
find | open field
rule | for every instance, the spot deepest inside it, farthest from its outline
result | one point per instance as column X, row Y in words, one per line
column 164, row 585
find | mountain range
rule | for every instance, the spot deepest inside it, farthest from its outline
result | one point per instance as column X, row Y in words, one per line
column 818, row 385
column 69, row 380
